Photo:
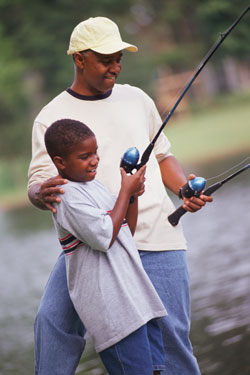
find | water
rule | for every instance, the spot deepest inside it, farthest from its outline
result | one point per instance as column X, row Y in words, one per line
column 219, row 263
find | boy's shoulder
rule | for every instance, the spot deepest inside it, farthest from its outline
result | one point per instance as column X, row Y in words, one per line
column 72, row 186
column 83, row 197
column 73, row 190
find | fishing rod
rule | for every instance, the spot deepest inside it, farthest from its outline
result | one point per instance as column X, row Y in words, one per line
column 130, row 158
column 194, row 187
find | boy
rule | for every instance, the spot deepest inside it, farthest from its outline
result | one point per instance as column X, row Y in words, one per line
column 109, row 288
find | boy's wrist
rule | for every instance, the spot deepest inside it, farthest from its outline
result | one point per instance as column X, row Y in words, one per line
column 125, row 193
column 132, row 199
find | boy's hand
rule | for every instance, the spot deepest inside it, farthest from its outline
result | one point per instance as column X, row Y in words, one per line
column 134, row 184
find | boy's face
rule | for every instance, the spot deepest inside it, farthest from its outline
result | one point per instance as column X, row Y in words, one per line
column 81, row 164
column 100, row 71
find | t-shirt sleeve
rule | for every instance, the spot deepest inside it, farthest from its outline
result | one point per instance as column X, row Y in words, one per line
column 78, row 214
column 41, row 167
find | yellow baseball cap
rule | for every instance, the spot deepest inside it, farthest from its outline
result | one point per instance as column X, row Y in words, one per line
column 99, row 34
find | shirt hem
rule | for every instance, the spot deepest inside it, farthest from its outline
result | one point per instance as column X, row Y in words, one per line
column 114, row 340
column 161, row 247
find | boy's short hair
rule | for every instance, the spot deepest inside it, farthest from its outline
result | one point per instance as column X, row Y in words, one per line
column 61, row 137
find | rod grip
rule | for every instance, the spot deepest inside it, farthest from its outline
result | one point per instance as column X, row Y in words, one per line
column 176, row 215
column 179, row 212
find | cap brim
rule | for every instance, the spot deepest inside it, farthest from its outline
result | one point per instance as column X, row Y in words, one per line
column 115, row 47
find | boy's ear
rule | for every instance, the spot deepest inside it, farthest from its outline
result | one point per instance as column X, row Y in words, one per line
column 59, row 162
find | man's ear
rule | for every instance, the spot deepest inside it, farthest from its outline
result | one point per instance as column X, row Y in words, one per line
column 59, row 163
column 79, row 60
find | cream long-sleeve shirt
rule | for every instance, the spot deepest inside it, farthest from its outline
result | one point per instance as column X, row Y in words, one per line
column 122, row 118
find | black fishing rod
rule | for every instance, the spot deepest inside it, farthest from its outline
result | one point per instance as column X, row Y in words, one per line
column 194, row 187
column 131, row 156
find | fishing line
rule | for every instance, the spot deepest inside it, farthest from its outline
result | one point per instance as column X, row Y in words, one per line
column 130, row 158
column 229, row 169
column 194, row 187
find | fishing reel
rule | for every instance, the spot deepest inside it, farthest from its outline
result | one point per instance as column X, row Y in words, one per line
column 129, row 163
column 130, row 159
column 192, row 188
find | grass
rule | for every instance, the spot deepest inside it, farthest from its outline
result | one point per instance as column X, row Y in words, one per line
column 219, row 129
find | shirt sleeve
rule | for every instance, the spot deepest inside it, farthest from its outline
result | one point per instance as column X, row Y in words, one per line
column 41, row 167
column 79, row 216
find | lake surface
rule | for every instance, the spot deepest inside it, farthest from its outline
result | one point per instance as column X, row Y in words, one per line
column 219, row 264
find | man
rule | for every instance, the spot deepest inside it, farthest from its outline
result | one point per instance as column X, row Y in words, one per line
column 121, row 116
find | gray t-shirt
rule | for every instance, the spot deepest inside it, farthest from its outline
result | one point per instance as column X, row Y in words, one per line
column 109, row 288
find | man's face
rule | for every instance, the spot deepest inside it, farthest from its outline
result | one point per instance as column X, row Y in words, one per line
column 100, row 71
column 81, row 164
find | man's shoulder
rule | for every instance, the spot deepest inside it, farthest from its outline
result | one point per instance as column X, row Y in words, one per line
column 130, row 91
column 52, row 106
column 127, row 88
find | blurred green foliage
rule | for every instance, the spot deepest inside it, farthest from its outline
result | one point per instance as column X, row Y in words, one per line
column 34, row 37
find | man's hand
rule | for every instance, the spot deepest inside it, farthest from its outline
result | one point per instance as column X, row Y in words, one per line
column 44, row 195
column 194, row 204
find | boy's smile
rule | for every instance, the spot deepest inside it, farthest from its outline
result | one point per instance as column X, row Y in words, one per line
column 81, row 163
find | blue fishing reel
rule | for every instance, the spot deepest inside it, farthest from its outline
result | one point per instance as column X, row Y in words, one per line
column 130, row 159
column 193, row 187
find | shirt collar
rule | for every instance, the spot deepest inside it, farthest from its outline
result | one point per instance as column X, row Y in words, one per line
column 86, row 97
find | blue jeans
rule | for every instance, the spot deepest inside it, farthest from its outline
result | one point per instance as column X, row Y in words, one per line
column 169, row 275
column 140, row 353
column 59, row 333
